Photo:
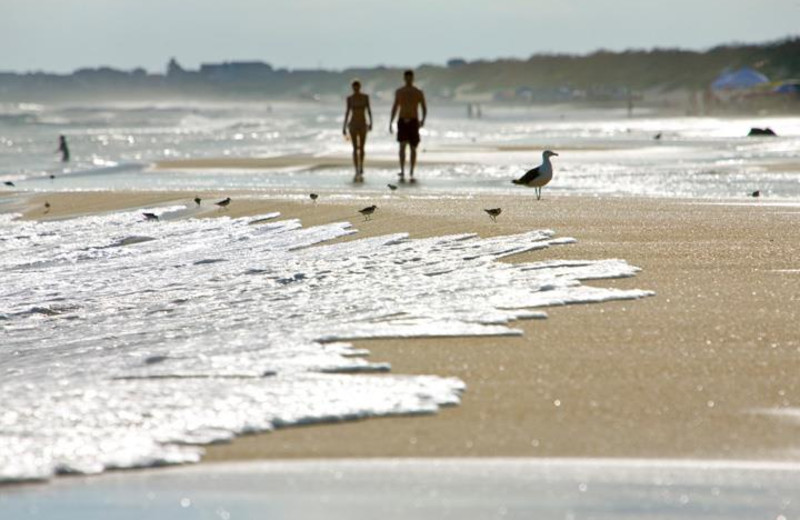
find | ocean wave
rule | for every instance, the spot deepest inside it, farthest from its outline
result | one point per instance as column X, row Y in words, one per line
column 217, row 327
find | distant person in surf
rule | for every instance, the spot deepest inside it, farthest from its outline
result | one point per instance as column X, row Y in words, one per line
column 407, row 100
column 63, row 148
column 355, row 121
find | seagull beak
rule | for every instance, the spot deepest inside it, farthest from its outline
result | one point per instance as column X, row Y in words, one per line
column 555, row 154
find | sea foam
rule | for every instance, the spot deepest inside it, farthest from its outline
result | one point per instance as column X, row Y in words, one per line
column 127, row 343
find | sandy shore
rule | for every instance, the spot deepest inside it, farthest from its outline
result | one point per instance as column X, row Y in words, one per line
column 681, row 374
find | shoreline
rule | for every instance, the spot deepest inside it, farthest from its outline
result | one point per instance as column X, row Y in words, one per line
column 682, row 374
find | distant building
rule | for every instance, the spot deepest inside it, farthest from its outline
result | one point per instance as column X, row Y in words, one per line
column 236, row 71
column 456, row 62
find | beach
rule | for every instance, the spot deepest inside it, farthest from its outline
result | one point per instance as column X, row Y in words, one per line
column 704, row 369
column 625, row 346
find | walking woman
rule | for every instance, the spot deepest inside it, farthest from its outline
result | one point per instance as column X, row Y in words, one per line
column 355, row 120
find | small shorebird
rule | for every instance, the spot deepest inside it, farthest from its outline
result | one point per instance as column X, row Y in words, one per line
column 368, row 211
column 150, row 216
column 52, row 176
column 657, row 136
column 493, row 213
column 9, row 183
column 197, row 200
column 46, row 207
column 314, row 197
column 539, row 176
column 223, row 203
column 756, row 193
column 391, row 187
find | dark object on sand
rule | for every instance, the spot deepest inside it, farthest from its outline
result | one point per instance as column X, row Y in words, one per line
column 368, row 211
column 9, row 183
column 767, row 131
column 756, row 193
column 197, row 200
column 657, row 136
column 224, row 203
column 391, row 187
column 314, row 196
column 46, row 205
column 150, row 216
column 493, row 213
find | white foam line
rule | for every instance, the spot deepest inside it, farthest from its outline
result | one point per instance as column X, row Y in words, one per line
column 475, row 463
column 754, row 203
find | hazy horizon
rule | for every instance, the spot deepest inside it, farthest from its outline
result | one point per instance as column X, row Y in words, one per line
column 63, row 35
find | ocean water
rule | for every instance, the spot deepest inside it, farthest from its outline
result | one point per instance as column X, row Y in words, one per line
column 128, row 342
column 602, row 152
column 471, row 488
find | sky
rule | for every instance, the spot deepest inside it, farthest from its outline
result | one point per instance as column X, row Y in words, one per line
column 62, row 35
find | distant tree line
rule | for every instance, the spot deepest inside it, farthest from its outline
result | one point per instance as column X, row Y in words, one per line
column 541, row 77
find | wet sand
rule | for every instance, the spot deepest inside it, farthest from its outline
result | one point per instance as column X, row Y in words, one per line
column 682, row 374
column 474, row 152
column 309, row 162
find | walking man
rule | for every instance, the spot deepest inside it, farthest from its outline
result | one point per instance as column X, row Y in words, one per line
column 407, row 101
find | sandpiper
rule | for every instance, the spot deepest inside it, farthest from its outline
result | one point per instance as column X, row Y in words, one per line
column 9, row 183
column 368, row 211
column 391, row 187
column 150, row 216
column 539, row 176
column 314, row 197
column 223, row 203
column 197, row 200
column 756, row 193
column 493, row 213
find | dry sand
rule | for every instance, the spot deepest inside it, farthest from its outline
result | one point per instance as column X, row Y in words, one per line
column 680, row 374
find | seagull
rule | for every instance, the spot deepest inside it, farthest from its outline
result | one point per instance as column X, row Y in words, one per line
column 314, row 197
column 539, row 176
column 223, row 203
column 756, row 193
column 493, row 213
column 368, row 211
column 150, row 216
column 197, row 200
column 9, row 183
column 391, row 187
